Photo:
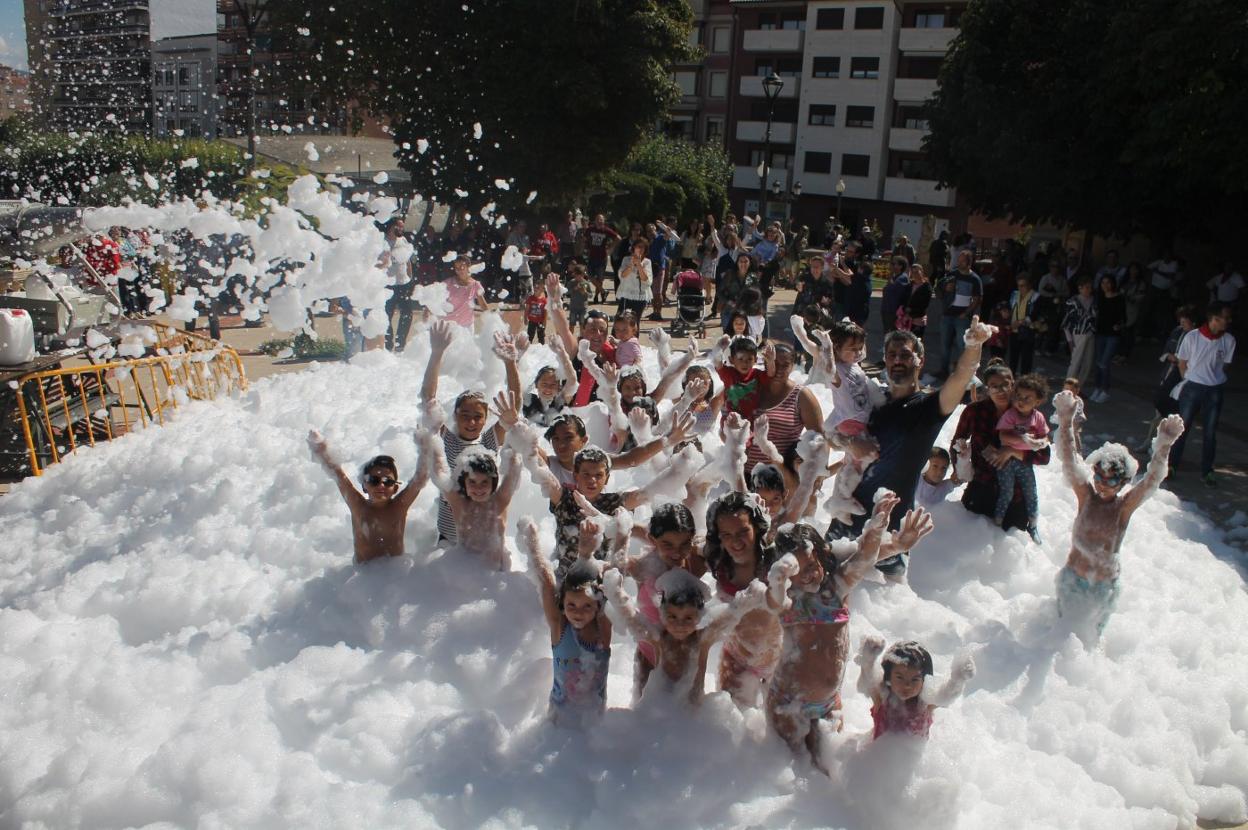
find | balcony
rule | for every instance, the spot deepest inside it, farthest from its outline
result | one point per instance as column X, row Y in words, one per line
column 926, row 40
column 913, row 89
column 752, row 86
column 746, row 177
column 910, row 141
column 782, row 132
column 916, row 192
column 773, row 40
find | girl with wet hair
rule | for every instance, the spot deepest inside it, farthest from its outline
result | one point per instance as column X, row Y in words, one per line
column 896, row 684
column 553, row 390
column 478, row 496
column 1087, row 587
column 580, row 633
column 806, row 687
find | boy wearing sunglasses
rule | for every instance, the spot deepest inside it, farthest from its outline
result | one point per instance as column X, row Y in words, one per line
column 379, row 514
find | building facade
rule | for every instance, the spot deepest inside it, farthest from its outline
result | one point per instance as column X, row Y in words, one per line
column 850, row 114
column 184, row 86
column 702, row 111
column 91, row 63
column 14, row 92
column 283, row 104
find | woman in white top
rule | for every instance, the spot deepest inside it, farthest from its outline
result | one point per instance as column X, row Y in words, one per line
column 636, row 276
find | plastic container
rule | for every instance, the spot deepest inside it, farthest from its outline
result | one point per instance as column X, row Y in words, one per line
column 17, row 337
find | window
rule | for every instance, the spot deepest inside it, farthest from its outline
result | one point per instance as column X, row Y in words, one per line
column 919, row 67
column 929, row 20
column 785, row 111
column 864, row 68
column 779, row 161
column 184, row 75
column 860, row 116
column 718, row 85
column 767, row 20
column 869, row 17
column 714, row 130
column 822, row 115
column 695, row 36
column 721, row 39
column 855, row 165
column 830, row 19
column 826, row 68
column 687, row 81
column 911, row 118
column 818, row 163
column 910, row 166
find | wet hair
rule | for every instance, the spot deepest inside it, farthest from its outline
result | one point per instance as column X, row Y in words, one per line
column 908, row 337
column 380, row 462
column 591, row 455
column 766, row 477
column 1034, row 383
column 939, row 452
column 742, row 343
column 1073, row 381
column 583, row 576
column 1116, row 461
column 908, row 653
column 475, row 460
column 578, row 426
column 731, row 504
column 543, row 371
column 752, row 301
column 473, row 395
column 695, row 372
column 998, row 368
column 738, row 314
column 680, row 589
column 671, row 517
column 795, row 538
column 632, row 371
column 846, row 331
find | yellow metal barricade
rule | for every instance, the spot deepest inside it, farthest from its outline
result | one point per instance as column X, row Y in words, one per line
column 61, row 410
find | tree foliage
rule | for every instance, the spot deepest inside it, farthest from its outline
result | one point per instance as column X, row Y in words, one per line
column 1117, row 116
column 668, row 176
column 561, row 91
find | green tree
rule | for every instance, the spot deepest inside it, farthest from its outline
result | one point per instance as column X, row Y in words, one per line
column 1117, row 116
column 560, row 91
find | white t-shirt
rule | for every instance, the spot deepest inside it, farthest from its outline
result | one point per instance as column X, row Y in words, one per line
column 1163, row 273
column 1226, row 288
column 1206, row 358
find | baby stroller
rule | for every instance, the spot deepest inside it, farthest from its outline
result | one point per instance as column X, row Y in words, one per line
column 690, row 304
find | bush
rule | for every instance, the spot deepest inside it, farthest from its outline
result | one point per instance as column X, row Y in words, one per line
column 303, row 347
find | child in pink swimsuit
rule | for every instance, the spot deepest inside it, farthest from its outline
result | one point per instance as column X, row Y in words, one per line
column 896, row 683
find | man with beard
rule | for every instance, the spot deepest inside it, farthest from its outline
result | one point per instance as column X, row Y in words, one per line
column 906, row 427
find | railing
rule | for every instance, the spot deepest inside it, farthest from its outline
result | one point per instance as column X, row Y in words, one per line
column 61, row 410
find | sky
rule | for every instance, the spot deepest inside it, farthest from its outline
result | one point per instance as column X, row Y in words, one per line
column 169, row 17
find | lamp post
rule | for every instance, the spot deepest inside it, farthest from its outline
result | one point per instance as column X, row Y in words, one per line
column 772, row 85
column 777, row 192
column 840, row 193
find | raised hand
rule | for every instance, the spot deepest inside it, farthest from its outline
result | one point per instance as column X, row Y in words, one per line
column 585, row 352
column 1170, row 428
column 659, row 337
column 318, row 444
column 681, row 425
column 977, row 334
column 586, row 506
column 871, row 647
column 885, row 501
column 963, row 669
column 590, row 539
column 916, row 524
column 507, row 407
column 441, row 334
column 761, row 427
column 1065, row 404
column 505, row 347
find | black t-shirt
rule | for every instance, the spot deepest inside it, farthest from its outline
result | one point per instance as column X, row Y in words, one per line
column 906, row 429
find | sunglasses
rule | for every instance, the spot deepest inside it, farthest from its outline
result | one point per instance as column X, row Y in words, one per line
column 374, row 480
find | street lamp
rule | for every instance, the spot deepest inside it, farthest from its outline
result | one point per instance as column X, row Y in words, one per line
column 772, row 85
column 840, row 193
column 778, row 194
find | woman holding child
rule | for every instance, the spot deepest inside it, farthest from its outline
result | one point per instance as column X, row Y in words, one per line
column 978, row 425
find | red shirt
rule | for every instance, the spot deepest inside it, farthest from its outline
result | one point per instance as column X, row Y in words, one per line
column 585, row 389
column 741, row 392
column 104, row 255
column 535, row 309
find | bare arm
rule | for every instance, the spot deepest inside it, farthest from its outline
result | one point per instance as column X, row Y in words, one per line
column 419, row 479
column 320, row 449
column 510, row 481
column 440, row 335
column 857, row 566
column 544, row 478
column 681, row 424
column 762, row 427
column 543, row 575
column 558, row 317
column 674, row 370
column 769, row 360
column 963, row 671
column 870, row 675
column 808, row 475
column 663, row 345
column 671, row 483
column 798, row 324
column 752, row 598
column 641, row 628
column 1078, row 475
column 1168, row 431
column 955, row 387
column 434, row 451
column 570, row 381
column 916, row 524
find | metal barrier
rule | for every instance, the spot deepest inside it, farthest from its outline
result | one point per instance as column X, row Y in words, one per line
column 63, row 409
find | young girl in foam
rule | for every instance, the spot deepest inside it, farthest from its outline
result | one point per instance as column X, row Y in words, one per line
column 470, row 411
column 478, row 495
column 1087, row 587
column 553, row 389
column 807, row 682
column 580, row 633
column 678, row 641
column 900, row 702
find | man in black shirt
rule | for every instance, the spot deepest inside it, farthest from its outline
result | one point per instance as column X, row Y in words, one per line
column 906, row 427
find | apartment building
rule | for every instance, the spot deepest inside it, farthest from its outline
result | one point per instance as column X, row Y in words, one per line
column 90, row 63
column 849, row 115
column 702, row 111
column 283, row 103
column 14, row 92
column 184, row 86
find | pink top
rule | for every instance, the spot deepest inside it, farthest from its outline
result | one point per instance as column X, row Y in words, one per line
column 1013, row 425
column 896, row 717
column 627, row 352
column 462, row 299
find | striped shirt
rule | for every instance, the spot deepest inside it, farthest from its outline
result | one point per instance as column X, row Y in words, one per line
column 454, row 446
column 785, row 420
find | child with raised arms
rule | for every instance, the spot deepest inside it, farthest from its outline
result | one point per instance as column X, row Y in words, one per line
column 553, row 390
column 379, row 514
column 900, row 702
column 580, row 633
column 806, row 686
column 470, row 411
